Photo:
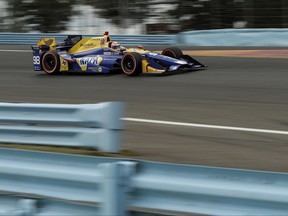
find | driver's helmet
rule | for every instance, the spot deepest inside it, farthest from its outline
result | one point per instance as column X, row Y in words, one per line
column 115, row 45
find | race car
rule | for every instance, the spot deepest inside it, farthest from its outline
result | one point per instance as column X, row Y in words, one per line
column 97, row 55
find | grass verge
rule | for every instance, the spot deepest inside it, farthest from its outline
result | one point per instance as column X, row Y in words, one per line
column 71, row 150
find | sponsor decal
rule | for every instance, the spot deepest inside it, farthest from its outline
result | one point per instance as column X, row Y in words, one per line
column 37, row 67
column 90, row 60
column 63, row 53
column 181, row 62
column 153, row 54
column 87, row 45
column 63, row 63
column 94, row 69
column 110, row 53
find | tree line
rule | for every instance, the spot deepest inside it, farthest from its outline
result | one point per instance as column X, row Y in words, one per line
column 183, row 15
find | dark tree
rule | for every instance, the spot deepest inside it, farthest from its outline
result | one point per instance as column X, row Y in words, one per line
column 2, row 27
column 40, row 15
column 121, row 12
column 265, row 14
column 200, row 15
column 192, row 14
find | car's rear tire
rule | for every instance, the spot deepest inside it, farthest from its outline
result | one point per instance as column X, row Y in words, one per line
column 51, row 62
column 173, row 52
column 131, row 64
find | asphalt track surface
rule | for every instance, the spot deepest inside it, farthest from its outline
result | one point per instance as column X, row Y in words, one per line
column 240, row 92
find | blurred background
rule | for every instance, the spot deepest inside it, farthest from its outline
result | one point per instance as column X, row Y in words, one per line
column 139, row 16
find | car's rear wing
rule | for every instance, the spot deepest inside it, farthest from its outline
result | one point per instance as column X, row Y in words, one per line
column 50, row 42
column 72, row 40
column 46, row 43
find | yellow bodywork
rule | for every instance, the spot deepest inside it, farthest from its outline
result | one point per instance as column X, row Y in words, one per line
column 148, row 69
column 51, row 42
column 87, row 44
column 63, row 64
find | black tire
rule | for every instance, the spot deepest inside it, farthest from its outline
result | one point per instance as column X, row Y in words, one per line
column 131, row 64
column 51, row 62
column 173, row 52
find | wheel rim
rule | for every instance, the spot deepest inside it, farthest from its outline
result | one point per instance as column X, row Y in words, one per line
column 50, row 62
column 129, row 64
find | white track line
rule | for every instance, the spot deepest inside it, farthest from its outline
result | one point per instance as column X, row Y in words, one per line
column 1, row 50
column 206, row 126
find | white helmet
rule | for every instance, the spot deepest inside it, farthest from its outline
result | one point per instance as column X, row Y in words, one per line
column 115, row 45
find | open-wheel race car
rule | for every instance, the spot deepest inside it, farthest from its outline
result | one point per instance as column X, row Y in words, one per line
column 102, row 55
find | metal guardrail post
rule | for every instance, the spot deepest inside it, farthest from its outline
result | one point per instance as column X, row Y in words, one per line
column 116, row 187
column 25, row 207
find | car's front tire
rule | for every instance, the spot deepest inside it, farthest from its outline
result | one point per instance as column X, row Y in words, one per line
column 51, row 62
column 173, row 52
column 131, row 64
